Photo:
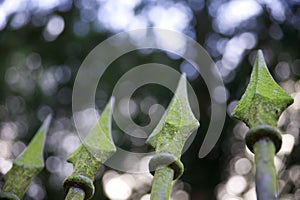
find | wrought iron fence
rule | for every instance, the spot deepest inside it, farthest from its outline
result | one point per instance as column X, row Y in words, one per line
column 260, row 107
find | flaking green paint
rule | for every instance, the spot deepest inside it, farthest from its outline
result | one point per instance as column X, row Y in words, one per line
column 96, row 148
column 27, row 165
column 264, row 100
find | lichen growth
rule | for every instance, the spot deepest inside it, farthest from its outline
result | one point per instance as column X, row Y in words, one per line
column 264, row 100
column 176, row 125
column 260, row 107
column 99, row 141
column 162, row 184
column 28, row 164
column 96, row 148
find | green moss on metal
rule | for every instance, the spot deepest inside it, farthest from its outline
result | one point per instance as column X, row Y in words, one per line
column 266, row 179
column 162, row 184
column 260, row 108
column 75, row 194
column 28, row 164
column 168, row 139
column 264, row 100
column 96, row 148
column 99, row 141
column 84, row 162
column 176, row 125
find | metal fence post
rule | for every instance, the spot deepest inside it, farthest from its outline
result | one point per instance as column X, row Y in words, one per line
column 97, row 147
column 260, row 107
column 168, row 139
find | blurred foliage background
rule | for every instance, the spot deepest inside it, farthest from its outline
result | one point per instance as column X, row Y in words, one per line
column 42, row 44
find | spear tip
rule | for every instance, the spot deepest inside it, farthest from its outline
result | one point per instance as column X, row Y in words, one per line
column 177, row 123
column 32, row 156
column 264, row 100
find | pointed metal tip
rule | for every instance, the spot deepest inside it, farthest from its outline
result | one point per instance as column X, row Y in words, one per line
column 99, row 141
column 32, row 156
column 260, row 59
column 111, row 105
column 177, row 123
column 181, row 89
column 260, row 52
column 182, row 83
column 46, row 123
column 183, row 77
column 264, row 100
column 112, row 101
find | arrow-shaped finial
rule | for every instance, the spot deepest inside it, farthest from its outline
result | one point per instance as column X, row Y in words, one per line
column 26, row 166
column 168, row 138
column 260, row 108
column 264, row 100
column 96, row 148
column 176, row 125
column 99, row 141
